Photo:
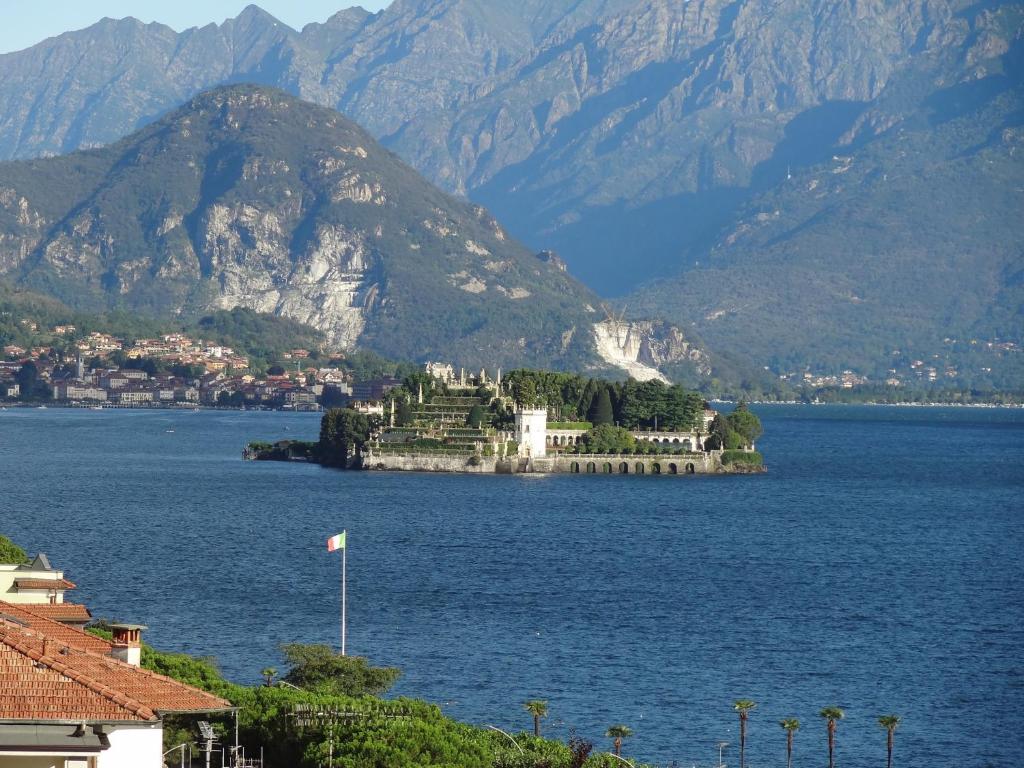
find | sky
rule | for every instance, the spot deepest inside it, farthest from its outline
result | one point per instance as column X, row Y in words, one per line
column 27, row 23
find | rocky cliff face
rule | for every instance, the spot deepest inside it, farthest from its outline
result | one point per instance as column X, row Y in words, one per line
column 643, row 348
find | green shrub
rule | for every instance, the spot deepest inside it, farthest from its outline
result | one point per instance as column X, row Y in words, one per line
column 570, row 425
column 11, row 553
column 751, row 458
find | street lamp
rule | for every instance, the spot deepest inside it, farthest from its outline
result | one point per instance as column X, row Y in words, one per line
column 507, row 736
column 620, row 759
column 721, row 747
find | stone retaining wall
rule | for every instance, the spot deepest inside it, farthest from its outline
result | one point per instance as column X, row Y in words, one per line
column 582, row 464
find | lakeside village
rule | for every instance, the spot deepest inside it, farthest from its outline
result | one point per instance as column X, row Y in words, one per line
column 173, row 371
column 530, row 422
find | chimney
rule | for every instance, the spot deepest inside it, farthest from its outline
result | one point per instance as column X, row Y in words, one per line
column 128, row 643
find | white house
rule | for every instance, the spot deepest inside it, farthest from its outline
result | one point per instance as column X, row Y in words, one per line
column 35, row 582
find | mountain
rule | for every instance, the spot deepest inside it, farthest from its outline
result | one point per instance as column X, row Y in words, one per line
column 249, row 197
column 646, row 141
column 905, row 245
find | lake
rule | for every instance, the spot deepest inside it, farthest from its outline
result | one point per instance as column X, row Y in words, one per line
column 877, row 566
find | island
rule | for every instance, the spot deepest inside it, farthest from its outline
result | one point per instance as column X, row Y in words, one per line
column 530, row 422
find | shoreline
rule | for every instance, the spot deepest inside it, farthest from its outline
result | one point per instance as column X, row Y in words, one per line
column 194, row 407
column 183, row 408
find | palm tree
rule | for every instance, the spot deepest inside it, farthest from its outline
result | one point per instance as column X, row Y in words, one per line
column 890, row 723
column 832, row 715
column 792, row 725
column 538, row 709
column 618, row 733
column 743, row 706
column 269, row 673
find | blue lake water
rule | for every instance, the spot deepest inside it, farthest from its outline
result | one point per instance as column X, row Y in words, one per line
column 878, row 566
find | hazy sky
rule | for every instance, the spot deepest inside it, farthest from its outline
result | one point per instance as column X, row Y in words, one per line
column 25, row 23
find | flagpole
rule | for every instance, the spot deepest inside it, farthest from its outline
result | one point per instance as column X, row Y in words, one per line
column 344, row 557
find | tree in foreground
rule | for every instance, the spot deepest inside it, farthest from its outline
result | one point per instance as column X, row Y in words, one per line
column 269, row 673
column 321, row 669
column 832, row 717
column 538, row 709
column 743, row 706
column 791, row 726
column 617, row 733
column 11, row 553
column 579, row 750
column 890, row 723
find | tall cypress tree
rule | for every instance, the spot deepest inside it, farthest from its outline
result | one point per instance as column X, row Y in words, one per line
column 601, row 408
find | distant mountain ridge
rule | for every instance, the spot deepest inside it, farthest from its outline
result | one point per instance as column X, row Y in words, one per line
column 643, row 139
column 249, row 197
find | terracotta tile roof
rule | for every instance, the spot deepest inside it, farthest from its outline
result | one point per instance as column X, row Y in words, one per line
column 34, row 618
column 59, row 584
column 43, row 679
column 63, row 612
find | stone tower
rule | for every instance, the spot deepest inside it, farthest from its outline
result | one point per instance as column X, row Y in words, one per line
column 532, row 432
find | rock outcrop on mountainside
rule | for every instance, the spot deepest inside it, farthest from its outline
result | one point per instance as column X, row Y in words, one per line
column 250, row 197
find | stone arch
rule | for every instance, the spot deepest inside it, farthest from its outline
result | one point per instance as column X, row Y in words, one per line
column 575, row 467
column 687, row 445
column 623, row 468
column 690, row 469
column 639, row 468
column 591, row 468
column 607, row 468
column 673, row 469
column 675, row 441
column 655, row 469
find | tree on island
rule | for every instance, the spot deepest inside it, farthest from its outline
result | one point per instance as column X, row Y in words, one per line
column 11, row 553
column 832, row 717
column 722, row 435
column 343, row 433
column 607, row 439
column 743, row 707
column 476, row 417
column 320, row 669
column 890, row 723
column 617, row 733
column 791, row 725
column 601, row 411
column 403, row 413
column 538, row 709
column 745, row 424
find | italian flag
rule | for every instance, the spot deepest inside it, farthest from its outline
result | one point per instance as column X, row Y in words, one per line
column 336, row 542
